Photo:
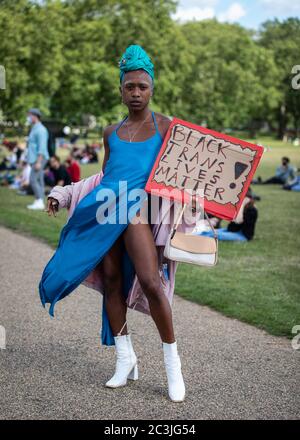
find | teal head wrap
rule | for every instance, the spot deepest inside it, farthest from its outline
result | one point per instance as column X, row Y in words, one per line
column 135, row 58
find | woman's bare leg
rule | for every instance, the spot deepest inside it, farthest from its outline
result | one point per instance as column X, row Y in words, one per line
column 111, row 271
column 140, row 246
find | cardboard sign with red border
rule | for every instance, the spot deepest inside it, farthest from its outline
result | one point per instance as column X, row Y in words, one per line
column 194, row 159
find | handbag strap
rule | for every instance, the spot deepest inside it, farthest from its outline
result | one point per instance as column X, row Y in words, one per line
column 179, row 217
column 211, row 226
column 177, row 221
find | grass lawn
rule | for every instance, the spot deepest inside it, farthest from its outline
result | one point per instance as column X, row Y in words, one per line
column 256, row 282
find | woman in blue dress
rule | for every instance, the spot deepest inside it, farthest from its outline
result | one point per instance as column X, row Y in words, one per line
column 131, row 148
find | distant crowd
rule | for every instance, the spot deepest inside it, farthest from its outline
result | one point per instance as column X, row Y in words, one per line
column 15, row 170
column 29, row 170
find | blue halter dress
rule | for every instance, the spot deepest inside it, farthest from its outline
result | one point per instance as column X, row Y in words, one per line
column 83, row 240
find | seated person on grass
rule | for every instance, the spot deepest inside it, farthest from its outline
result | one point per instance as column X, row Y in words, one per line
column 293, row 185
column 73, row 168
column 59, row 171
column 21, row 181
column 242, row 228
column 285, row 174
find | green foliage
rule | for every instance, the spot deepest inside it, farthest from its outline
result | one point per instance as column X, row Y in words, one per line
column 233, row 80
column 284, row 41
column 31, row 44
column 62, row 56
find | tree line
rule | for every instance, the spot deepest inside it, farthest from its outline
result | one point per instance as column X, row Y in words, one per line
column 62, row 56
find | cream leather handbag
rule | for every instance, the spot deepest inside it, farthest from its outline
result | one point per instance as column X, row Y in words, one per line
column 189, row 248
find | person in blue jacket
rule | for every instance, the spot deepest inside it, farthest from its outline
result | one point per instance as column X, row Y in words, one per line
column 37, row 157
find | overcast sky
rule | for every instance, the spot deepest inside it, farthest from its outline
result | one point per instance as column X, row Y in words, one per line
column 249, row 13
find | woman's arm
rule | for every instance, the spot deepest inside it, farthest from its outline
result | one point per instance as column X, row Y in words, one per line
column 61, row 196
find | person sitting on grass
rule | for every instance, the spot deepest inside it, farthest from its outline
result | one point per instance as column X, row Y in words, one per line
column 60, row 173
column 73, row 168
column 242, row 228
column 89, row 155
column 285, row 174
column 293, row 185
column 22, row 180
column 10, row 162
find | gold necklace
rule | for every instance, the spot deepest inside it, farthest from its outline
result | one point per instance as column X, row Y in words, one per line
column 142, row 123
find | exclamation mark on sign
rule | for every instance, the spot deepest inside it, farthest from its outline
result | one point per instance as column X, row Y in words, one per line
column 239, row 168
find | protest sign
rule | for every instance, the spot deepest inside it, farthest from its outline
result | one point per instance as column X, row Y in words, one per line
column 193, row 158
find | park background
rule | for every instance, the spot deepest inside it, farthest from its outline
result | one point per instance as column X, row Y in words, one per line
column 62, row 56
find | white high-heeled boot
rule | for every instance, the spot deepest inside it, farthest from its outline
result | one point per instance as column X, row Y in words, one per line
column 176, row 387
column 126, row 367
column 132, row 376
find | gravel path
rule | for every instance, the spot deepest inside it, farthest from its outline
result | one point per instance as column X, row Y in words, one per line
column 56, row 368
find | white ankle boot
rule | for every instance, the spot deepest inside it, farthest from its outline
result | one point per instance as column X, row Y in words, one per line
column 176, row 385
column 126, row 367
